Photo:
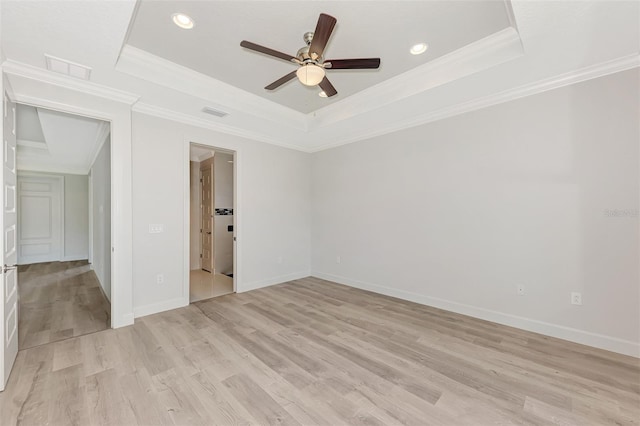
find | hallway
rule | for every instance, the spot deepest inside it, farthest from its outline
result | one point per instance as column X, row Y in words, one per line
column 59, row 300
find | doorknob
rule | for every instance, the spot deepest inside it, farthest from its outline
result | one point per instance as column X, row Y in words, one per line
column 5, row 268
column 209, row 232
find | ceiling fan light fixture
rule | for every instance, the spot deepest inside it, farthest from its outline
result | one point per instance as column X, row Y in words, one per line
column 418, row 49
column 182, row 20
column 310, row 74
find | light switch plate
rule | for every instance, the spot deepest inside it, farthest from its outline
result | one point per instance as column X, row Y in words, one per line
column 155, row 228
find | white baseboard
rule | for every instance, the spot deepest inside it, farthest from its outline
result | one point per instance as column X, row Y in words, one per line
column 601, row 341
column 154, row 308
column 271, row 281
column 125, row 320
column 74, row 258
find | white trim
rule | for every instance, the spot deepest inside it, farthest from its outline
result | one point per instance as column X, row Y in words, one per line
column 45, row 168
column 237, row 258
column 273, row 281
column 63, row 209
column 49, row 77
column 237, row 212
column 218, row 95
column 104, row 130
column 186, row 222
column 510, row 15
column 33, row 144
column 74, row 258
column 154, row 308
column 127, row 319
column 32, row 94
column 191, row 120
column 601, row 341
column 556, row 82
column 39, row 102
column 90, row 209
column 495, row 49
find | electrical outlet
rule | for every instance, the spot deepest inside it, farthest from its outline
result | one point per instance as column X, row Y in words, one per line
column 520, row 290
column 338, row 260
column 576, row 298
column 159, row 278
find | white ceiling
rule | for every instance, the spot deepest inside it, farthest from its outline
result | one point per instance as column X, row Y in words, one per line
column 364, row 29
column 52, row 141
column 547, row 44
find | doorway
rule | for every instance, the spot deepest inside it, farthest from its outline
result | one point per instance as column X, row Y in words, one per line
column 63, row 225
column 211, row 230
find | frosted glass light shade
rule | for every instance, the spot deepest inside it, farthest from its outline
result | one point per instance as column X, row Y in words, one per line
column 310, row 74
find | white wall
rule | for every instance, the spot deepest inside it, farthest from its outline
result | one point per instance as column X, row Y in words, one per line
column 458, row 212
column 223, row 198
column 101, row 211
column 273, row 200
column 76, row 217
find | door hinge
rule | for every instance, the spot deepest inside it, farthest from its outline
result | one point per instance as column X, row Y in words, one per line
column 200, row 255
column 200, row 180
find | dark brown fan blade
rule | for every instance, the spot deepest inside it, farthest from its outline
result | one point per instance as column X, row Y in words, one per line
column 279, row 82
column 321, row 35
column 354, row 64
column 266, row 50
column 328, row 88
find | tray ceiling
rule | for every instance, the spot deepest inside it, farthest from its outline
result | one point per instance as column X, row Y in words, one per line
column 545, row 45
column 364, row 29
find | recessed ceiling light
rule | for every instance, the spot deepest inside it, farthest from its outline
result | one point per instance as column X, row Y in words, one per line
column 322, row 94
column 419, row 48
column 182, row 20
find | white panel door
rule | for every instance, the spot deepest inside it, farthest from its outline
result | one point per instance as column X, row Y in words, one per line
column 40, row 219
column 9, row 297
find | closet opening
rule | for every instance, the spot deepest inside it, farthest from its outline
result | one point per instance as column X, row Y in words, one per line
column 211, row 230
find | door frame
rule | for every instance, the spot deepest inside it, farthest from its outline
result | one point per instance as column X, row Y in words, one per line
column 237, row 210
column 212, row 252
column 113, row 107
column 45, row 175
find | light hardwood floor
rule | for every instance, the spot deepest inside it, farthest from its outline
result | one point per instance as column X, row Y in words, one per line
column 205, row 285
column 59, row 300
column 313, row 352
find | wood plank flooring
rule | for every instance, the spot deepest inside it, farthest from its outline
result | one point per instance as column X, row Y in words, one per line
column 311, row 352
column 59, row 300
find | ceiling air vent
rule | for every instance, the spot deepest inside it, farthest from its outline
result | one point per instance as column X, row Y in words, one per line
column 215, row 112
column 67, row 67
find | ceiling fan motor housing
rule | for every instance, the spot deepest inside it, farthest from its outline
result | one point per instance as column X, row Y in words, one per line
column 303, row 53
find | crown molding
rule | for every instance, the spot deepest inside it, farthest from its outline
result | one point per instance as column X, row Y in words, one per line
column 588, row 73
column 480, row 55
column 52, row 169
column 206, row 124
column 34, row 73
column 31, row 143
column 104, row 130
column 144, row 65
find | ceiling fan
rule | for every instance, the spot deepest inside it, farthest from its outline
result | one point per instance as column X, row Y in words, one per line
column 312, row 66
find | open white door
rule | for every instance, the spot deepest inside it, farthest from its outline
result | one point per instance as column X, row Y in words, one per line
column 9, row 293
